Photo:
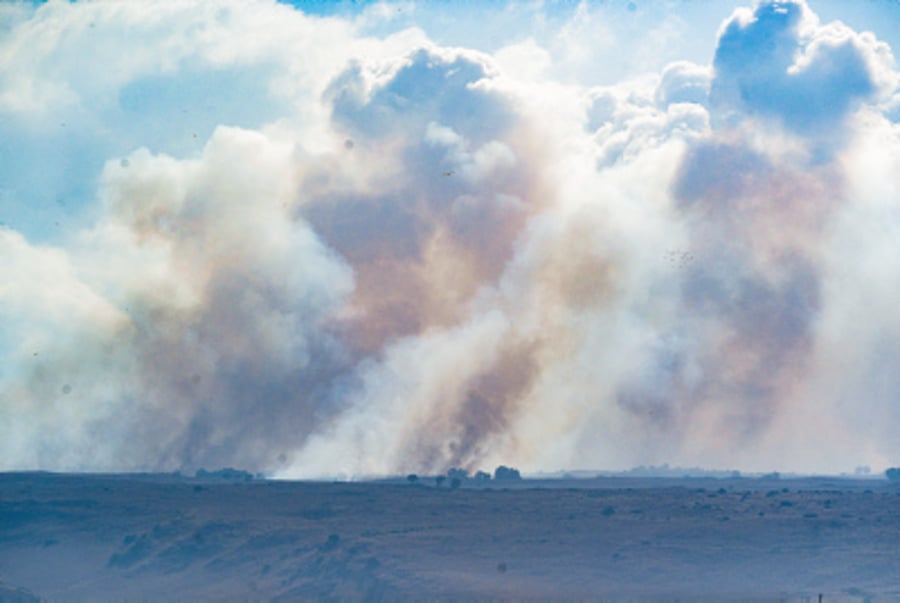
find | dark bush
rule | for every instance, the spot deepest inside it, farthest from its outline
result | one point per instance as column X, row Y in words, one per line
column 412, row 478
column 893, row 474
column 506, row 473
column 455, row 483
column 481, row 476
column 458, row 473
column 439, row 480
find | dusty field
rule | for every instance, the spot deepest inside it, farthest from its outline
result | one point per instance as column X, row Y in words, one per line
column 71, row 537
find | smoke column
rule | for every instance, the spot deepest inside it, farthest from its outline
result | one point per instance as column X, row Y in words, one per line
column 332, row 246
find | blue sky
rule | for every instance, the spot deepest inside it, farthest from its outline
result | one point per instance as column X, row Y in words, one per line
column 361, row 238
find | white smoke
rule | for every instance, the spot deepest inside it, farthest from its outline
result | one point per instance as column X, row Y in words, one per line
column 340, row 254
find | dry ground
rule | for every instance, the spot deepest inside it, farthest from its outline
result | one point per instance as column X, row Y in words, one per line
column 154, row 537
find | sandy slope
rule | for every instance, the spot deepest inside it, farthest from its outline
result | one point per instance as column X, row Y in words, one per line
column 70, row 537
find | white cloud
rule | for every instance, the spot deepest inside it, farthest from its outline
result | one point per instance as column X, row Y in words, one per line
column 683, row 82
column 779, row 62
column 525, row 60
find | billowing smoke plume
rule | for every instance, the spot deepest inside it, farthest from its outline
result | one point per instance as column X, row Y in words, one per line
column 307, row 251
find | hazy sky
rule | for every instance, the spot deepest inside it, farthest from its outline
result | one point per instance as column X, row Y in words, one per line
column 343, row 239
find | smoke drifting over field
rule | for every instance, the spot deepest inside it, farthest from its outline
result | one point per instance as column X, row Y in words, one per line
column 304, row 246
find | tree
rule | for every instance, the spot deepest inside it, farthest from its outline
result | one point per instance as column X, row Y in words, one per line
column 458, row 473
column 412, row 478
column 439, row 480
column 893, row 474
column 506, row 473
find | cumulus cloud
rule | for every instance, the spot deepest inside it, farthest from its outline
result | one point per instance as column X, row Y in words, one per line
column 683, row 82
column 778, row 61
column 320, row 251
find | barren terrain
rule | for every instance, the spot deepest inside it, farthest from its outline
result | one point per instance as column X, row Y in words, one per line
column 160, row 537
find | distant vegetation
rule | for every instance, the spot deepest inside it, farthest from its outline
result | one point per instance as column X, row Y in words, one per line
column 457, row 473
column 481, row 476
column 893, row 474
column 506, row 473
column 459, row 476
column 226, row 474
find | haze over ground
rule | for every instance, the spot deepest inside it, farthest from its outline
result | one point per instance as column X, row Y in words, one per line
column 401, row 237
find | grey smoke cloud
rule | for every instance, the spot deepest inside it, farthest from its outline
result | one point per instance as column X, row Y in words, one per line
column 431, row 262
